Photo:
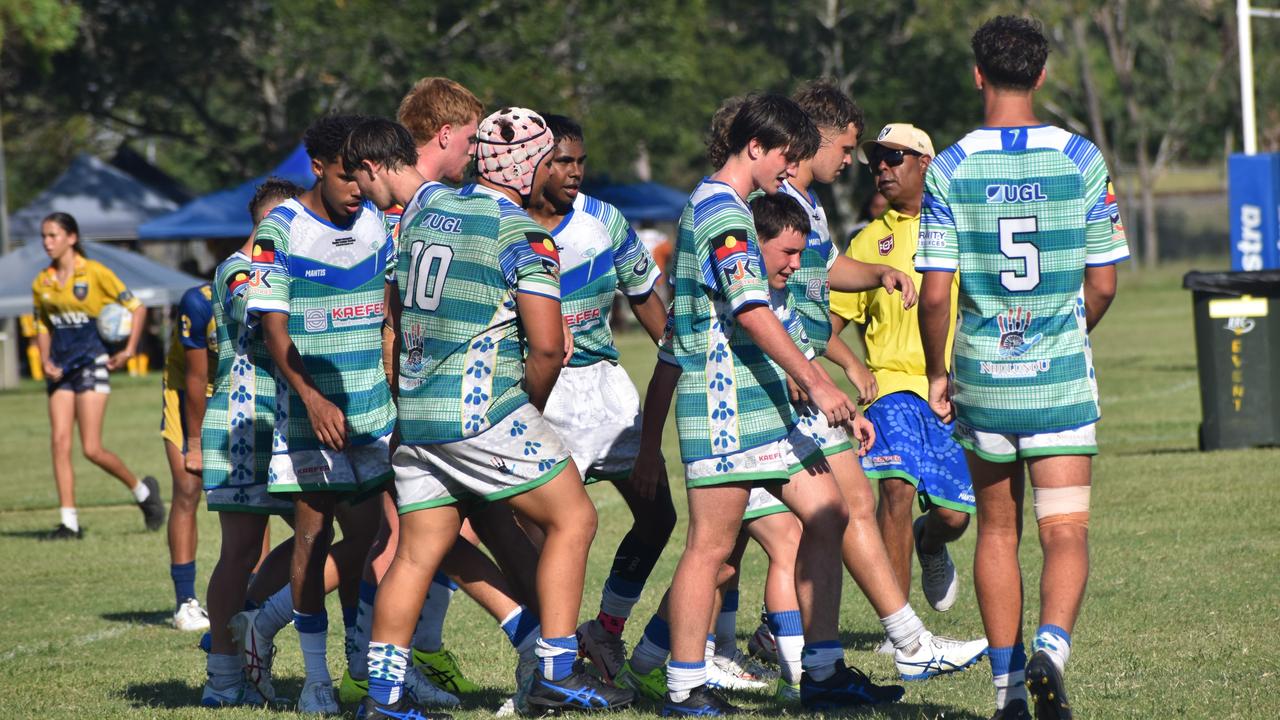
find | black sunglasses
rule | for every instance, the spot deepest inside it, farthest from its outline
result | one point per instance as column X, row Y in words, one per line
column 889, row 156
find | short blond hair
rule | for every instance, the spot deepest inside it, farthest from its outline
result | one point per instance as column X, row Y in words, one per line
column 434, row 102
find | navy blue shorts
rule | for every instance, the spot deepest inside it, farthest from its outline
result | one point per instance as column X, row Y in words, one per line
column 93, row 377
column 914, row 445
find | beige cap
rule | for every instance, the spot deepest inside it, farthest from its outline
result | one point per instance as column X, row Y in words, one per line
column 899, row 136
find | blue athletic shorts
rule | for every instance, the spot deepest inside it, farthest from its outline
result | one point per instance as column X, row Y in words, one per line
column 914, row 445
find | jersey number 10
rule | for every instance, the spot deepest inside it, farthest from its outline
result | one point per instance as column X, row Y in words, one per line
column 428, row 268
column 1024, row 250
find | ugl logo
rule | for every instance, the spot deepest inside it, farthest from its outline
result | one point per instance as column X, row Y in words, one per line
column 1239, row 325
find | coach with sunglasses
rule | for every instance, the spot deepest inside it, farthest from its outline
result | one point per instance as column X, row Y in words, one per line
column 914, row 458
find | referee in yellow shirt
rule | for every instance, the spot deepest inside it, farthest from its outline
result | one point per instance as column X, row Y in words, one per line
column 914, row 455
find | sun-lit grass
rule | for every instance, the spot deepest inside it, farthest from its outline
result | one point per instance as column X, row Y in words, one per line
column 1181, row 618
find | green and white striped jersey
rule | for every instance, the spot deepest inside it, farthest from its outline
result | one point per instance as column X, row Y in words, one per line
column 731, row 396
column 1020, row 212
column 236, row 434
column 809, row 285
column 463, row 257
column 599, row 255
column 330, row 281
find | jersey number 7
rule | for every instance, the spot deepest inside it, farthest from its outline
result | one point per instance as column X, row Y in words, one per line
column 428, row 268
column 1024, row 250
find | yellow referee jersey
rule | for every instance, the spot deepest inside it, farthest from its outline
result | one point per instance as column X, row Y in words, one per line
column 894, row 352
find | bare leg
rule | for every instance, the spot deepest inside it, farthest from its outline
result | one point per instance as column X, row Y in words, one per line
column 563, row 511
column 62, row 416
column 312, row 535
column 426, row 536
column 779, row 536
column 91, row 407
column 997, row 578
column 241, row 540
column 1065, row 546
column 715, row 516
column 823, row 513
column 862, row 549
column 893, row 517
column 182, row 510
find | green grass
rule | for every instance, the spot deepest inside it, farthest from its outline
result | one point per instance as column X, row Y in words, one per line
column 1181, row 618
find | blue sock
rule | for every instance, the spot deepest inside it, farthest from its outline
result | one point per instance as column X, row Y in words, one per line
column 519, row 625
column 654, row 646
column 349, row 615
column 387, row 666
column 184, row 581
column 1055, row 642
column 788, row 636
column 1005, row 660
column 442, row 579
column 312, row 633
column 819, row 659
column 556, row 656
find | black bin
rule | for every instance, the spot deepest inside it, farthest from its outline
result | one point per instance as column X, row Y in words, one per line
column 1237, row 321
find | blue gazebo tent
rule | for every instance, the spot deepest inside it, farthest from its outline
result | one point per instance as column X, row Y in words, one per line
column 107, row 203
column 225, row 213
column 642, row 201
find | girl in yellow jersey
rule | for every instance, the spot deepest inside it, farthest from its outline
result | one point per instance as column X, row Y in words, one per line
column 68, row 295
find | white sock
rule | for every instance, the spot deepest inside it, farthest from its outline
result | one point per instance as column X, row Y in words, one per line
column 726, row 633
column 684, row 677
column 709, row 650
column 224, row 671
column 904, row 628
column 647, row 656
column 428, row 636
column 1055, row 646
column 1012, row 686
column 141, row 492
column 276, row 612
column 790, row 650
column 313, row 644
column 71, row 518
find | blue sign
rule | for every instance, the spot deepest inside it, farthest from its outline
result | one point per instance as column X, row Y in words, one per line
column 1254, row 197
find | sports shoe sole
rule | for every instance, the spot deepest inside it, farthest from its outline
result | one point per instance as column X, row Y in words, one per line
column 1046, row 690
column 916, row 677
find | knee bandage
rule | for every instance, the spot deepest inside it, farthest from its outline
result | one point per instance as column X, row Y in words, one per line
column 1061, row 506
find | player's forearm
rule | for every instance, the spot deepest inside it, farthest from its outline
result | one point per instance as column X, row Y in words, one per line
column 770, row 336
column 652, row 314
column 935, row 319
column 849, row 275
column 44, row 343
column 544, row 340
column 657, row 405
column 275, row 335
column 196, row 384
column 390, row 332
column 135, row 334
column 1099, row 291
column 838, row 351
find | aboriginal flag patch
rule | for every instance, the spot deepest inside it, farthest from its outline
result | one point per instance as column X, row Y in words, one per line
column 728, row 246
column 264, row 250
column 543, row 246
column 237, row 280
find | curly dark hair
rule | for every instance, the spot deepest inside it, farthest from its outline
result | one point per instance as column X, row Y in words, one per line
column 829, row 106
column 1010, row 51
column 326, row 136
column 774, row 213
column 273, row 188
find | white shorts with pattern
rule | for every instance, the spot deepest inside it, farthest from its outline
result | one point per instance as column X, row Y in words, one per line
column 775, row 461
column 357, row 468
column 515, row 455
column 255, row 499
column 596, row 411
column 813, row 423
column 1002, row 447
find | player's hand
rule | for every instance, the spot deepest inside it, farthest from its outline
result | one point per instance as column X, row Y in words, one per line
column 117, row 361
column 328, row 422
column 192, row 459
column 568, row 342
column 864, row 381
column 797, row 393
column 864, row 432
column 835, row 405
column 940, row 398
column 648, row 474
column 896, row 279
column 52, row 371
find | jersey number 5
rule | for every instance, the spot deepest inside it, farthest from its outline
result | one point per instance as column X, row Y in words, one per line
column 428, row 268
column 1024, row 250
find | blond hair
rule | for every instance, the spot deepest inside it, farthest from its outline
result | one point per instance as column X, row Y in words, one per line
column 434, row 102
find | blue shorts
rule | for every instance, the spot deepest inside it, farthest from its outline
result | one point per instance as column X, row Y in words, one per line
column 93, row 377
column 914, row 445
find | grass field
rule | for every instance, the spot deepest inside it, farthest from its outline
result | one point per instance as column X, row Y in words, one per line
column 1182, row 617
